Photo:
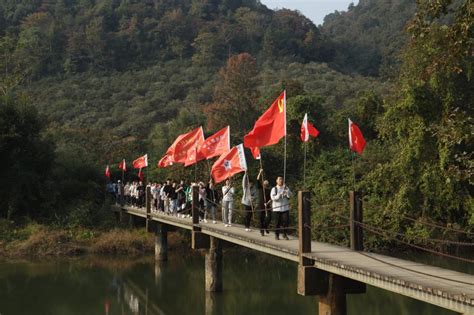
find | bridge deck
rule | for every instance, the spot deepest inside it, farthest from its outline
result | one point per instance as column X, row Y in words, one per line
column 445, row 288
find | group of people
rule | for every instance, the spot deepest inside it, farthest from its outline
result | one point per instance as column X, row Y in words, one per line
column 175, row 198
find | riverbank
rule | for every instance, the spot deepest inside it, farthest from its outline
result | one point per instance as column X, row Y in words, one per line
column 38, row 241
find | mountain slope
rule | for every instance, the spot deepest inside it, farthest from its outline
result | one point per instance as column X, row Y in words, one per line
column 368, row 37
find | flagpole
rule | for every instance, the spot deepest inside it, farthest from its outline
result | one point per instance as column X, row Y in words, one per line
column 353, row 171
column 304, row 164
column 284, row 159
column 209, row 168
column 195, row 172
column 284, row 164
column 263, row 187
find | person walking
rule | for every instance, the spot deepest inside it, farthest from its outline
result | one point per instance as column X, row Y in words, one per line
column 227, row 202
column 174, row 198
column 120, row 192
column 135, row 194
column 249, row 199
column 126, row 193
column 166, row 196
column 212, row 200
column 141, row 194
column 181, row 191
column 264, row 203
column 201, row 202
column 280, row 195
column 155, row 193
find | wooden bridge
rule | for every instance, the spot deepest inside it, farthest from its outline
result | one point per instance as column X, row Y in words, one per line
column 326, row 270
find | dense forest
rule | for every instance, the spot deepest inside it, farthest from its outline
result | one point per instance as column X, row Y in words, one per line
column 86, row 83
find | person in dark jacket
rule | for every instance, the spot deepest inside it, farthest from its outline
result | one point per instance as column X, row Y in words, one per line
column 212, row 200
column 249, row 200
column 264, row 203
column 141, row 194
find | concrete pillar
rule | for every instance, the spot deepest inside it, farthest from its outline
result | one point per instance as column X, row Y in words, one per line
column 213, row 265
column 161, row 242
column 334, row 301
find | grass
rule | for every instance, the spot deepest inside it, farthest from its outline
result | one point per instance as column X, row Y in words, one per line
column 36, row 240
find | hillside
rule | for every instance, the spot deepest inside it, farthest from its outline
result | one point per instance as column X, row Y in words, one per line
column 368, row 37
column 122, row 67
column 66, row 37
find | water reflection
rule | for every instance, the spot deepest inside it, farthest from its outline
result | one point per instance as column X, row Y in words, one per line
column 253, row 284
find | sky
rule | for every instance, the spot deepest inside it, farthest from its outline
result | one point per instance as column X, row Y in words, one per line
column 316, row 10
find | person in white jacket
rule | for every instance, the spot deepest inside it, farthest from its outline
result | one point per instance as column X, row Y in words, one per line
column 280, row 195
column 228, row 192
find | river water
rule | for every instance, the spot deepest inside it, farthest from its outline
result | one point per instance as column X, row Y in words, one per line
column 253, row 284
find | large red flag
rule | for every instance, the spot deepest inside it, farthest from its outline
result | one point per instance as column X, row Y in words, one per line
column 215, row 145
column 307, row 129
column 122, row 166
column 141, row 162
column 165, row 161
column 270, row 127
column 229, row 164
column 186, row 145
column 356, row 139
column 107, row 172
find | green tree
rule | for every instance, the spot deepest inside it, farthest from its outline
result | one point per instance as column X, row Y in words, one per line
column 207, row 48
column 235, row 93
column 26, row 159
column 429, row 126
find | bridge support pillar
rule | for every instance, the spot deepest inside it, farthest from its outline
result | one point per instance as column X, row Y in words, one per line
column 334, row 301
column 311, row 281
column 161, row 242
column 213, row 265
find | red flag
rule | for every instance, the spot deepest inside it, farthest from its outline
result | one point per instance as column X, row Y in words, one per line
column 356, row 139
column 229, row 164
column 185, row 145
column 215, row 145
column 140, row 175
column 107, row 172
column 270, row 127
column 256, row 153
column 141, row 162
column 165, row 161
column 191, row 154
column 307, row 129
column 123, row 166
